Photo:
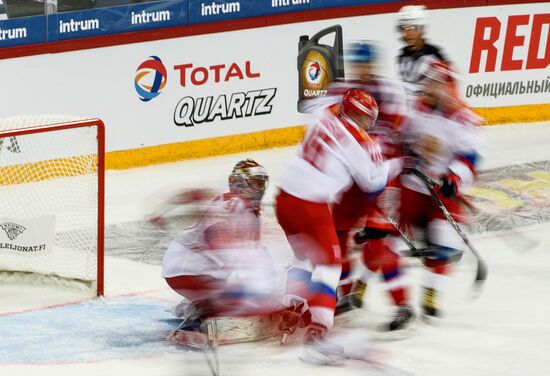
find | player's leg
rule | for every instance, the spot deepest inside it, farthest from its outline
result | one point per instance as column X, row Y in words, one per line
column 313, row 239
column 346, row 215
column 373, row 235
column 409, row 213
column 447, row 246
column 215, row 309
column 324, row 281
column 381, row 255
column 295, row 311
column 199, row 291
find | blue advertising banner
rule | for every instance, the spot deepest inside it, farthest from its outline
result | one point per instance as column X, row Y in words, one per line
column 317, row 4
column 150, row 15
column 21, row 31
column 201, row 11
column 284, row 6
column 119, row 19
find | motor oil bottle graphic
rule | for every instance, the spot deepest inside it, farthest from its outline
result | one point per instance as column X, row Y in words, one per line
column 318, row 64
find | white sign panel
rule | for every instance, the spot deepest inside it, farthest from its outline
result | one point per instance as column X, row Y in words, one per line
column 502, row 52
column 27, row 237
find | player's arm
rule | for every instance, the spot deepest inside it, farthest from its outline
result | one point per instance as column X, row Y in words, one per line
column 393, row 109
column 463, row 167
column 368, row 168
column 161, row 208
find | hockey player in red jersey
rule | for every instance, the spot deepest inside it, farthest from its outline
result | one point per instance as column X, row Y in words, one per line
column 417, row 54
column 335, row 153
column 443, row 136
column 219, row 265
column 354, row 204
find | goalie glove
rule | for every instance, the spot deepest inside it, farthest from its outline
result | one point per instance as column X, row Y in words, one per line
column 449, row 185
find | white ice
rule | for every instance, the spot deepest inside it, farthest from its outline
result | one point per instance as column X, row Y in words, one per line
column 504, row 332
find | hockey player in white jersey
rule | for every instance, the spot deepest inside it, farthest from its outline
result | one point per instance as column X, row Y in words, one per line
column 335, row 153
column 354, row 204
column 417, row 54
column 219, row 265
column 443, row 135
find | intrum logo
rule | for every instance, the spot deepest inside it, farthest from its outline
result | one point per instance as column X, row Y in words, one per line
column 313, row 71
column 13, row 230
column 150, row 78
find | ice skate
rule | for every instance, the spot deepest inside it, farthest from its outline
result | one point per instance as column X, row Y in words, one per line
column 430, row 310
column 402, row 319
column 353, row 300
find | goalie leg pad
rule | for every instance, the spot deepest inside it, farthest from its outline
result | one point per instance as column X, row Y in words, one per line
column 229, row 330
column 217, row 331
column 189, row 338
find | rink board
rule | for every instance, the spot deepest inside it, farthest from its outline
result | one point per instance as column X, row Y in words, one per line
column 195, row 95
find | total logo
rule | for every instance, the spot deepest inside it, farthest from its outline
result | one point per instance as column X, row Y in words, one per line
column 190, row 110
column 313, row 72
column 151, row 78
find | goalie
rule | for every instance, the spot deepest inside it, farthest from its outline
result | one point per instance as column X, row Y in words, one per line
column 219, row 265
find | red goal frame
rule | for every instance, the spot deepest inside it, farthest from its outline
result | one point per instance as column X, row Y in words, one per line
column 101, row 179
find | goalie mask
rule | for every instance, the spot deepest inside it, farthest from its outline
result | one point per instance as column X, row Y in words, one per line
column 248, row 179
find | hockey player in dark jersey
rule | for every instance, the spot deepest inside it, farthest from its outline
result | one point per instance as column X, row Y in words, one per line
column 418, row 54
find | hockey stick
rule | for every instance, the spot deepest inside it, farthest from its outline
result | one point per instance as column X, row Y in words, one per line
column 413, row 250
column 481, row 273
column 211, row 356
column 210, row 351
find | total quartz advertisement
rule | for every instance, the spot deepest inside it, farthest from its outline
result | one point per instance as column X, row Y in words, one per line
column 199, row 87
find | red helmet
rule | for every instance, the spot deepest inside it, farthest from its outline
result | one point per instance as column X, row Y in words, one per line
column 359, row 107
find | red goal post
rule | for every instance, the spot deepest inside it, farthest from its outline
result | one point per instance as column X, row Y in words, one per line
column 52, row 179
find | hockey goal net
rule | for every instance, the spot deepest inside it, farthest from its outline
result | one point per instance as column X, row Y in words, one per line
column 51, row 201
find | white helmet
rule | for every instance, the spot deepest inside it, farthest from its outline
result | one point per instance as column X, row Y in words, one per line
column 412, row 15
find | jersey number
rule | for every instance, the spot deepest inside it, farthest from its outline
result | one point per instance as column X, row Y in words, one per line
column 313, row 147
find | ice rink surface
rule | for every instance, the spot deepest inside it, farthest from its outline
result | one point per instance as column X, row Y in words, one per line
column 504, row 332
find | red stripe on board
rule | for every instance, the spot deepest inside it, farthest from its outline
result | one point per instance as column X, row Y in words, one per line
column 512, row 2
column 362, row 10
column 239, row 24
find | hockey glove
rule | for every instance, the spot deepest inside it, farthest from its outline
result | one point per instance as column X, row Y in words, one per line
column 449, row 185
column 295, row 315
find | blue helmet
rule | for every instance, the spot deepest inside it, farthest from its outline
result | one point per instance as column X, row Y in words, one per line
column 361, row 52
